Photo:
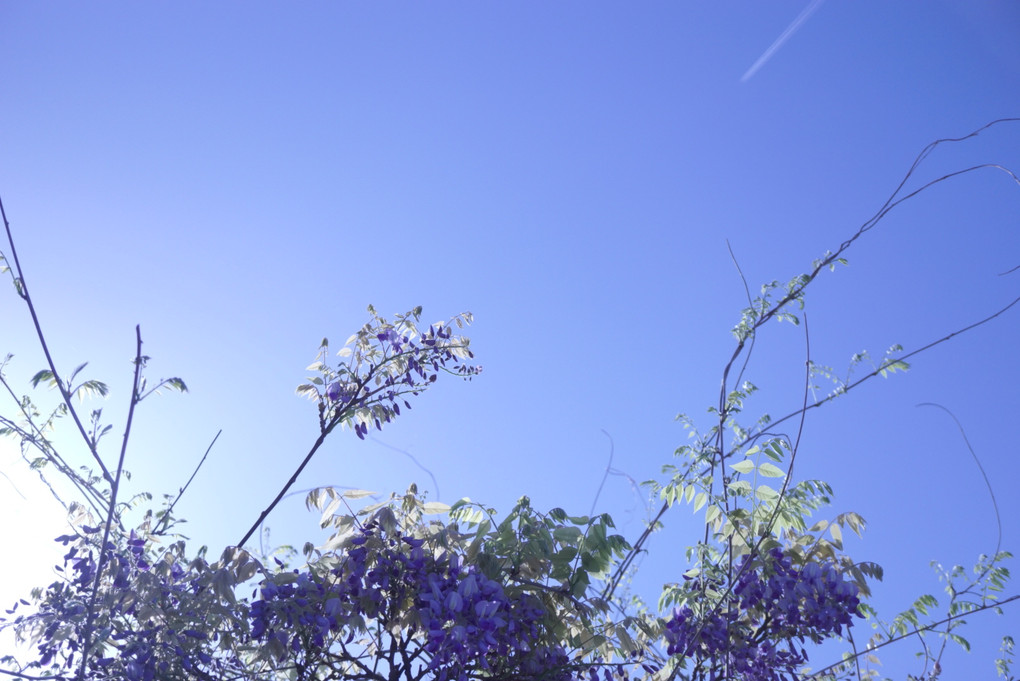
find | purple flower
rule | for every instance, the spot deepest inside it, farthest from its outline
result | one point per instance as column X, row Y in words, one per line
column 772, row 605
column 395, row 340
column 340, row 391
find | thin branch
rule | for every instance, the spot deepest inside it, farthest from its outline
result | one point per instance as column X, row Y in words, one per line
column 410, row 456
column 114, row 488
column 890, row 203
column 795, row 447
column 884, row 366
column 636, row 547
column 39, row 441
column 20, row 675
column 609, row 466
column 166, row 516
column 22, row 287
column 293, row 478
column 634, row 486
column 857, row 659
column 956, row 594
column 733, row 580
column 914, row 632
column 977, row 461
column 15, row 487
column 166, row 381
column 750, row 303
column 325, row 429
column 797, row 291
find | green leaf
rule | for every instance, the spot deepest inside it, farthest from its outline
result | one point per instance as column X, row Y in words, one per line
column 766, row 493
column 44, row 375
column 892, row 366
column 356, row 493
column 177, row 384
column 307, row 389
column 467, row 514
column 90, row 388
column 567, row 535
column 774, row 450
column 327, row 513
column 70, row 379
column 740, row 487
column 744, row 466
column 433, row 507
column 476, row 543
column 579, row 584
column 960, row 640
column 771, row 471
column 700, row 500
column 564, row 556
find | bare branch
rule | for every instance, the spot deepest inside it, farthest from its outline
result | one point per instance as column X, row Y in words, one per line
column 914, row 632
column 166, row 515
column 22, row 286
column 112, row 510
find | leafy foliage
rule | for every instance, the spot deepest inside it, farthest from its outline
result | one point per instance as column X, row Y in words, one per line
column 409, row 589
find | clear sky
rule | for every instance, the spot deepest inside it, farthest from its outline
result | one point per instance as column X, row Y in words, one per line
column 242, row 179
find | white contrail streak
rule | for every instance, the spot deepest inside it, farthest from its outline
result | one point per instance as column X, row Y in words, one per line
column 783, row 37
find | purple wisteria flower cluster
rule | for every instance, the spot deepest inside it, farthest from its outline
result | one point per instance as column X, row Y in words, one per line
column 134, row 597
column 752, row 632
column 455, row 622
column 388, row 362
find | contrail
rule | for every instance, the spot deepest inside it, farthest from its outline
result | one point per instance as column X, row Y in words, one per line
column 784, row 36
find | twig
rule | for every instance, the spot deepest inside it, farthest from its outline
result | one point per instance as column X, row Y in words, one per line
column 883, row 367
column 732, row 582
column 796, row 444
column 38, row 440
column 411, row 456
column 914, row 632
column 15, row 487
column 22, row 287
column 293, row 478
column 166, row 515
column 609, row 466
column 977, row 461
column 797, row 291
column 325, row 429
column 114, row 488
column 750, row 303
column 998, row 520
column 20, row 675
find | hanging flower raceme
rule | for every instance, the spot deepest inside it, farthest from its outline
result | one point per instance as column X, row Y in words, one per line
column 382, row 364
column 152, row 626
column 459, row 622
column 772, row 606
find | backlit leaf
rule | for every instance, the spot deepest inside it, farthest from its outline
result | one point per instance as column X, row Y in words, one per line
column 745, row 466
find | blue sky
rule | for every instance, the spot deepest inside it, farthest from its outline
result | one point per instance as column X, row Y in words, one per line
column 243, row 179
